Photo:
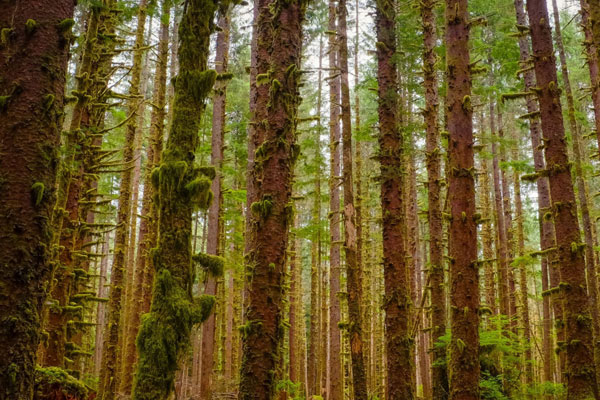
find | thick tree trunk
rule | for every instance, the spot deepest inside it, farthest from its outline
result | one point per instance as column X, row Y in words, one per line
column 433, row 160
column 214, row 212
column 582, row 191
column 581, row 377
column 398, row 343
column 279, row 44
column 463, row 365
column 182, row 186
column 334, row 374
column 31, row 110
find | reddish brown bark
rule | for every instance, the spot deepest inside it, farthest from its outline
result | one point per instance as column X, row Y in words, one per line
column 334, row 374
column 30, row 120
column 463, row 364
column 353, row 269
column 397, row 287
column 547, row 239
column 278, row 50
column 214, row 212
column 581, row 378
column 592, row 40
column 434, row 206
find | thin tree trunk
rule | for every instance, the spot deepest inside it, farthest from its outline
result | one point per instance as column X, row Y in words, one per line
column 334, row 375
column 463, row 365
column 581, row 377
column 214, row 212
column 143, row 263
column 353, row 270
column 433, row 161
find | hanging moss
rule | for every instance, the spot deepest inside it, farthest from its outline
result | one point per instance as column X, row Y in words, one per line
column 37, row 192
column 213, row 264
column 262, row 207
column 5, row 35
column 52, row 380
column 65, row 25
column 164, row 335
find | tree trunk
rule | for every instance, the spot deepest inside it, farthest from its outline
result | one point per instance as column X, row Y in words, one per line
column 397, row 287
column 214, row 212
column 463, row 365
column 581, row 378
column 582, row 192
column 433, row 160
column 182, row 187
column 547, row 240
column 353, row 270
column 279, row 43
column 591, row 47
column 31, row 110
column 334, row 374
column 143, row 264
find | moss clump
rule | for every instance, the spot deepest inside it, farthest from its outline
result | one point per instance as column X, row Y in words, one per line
column 48, row 101
column 164, row 335
column 30, row 26
column 50, row 380
column 37, row 192
column 5, row 35
column 262, row 207
column 4, row 102
column 65, row 25
column 198, row 192
column 198, row 83
column 213, row 264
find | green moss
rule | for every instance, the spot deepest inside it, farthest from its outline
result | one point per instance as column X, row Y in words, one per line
column 262, row 79
column 54, row 379
column 213, row 264
column 4, row 102
column 65, row 25
column 225, row 76
column 198, row 83
column 164, row 334
column 37, row 191
column 48, row 102
column 30, row 26
column 262, row 207
column 5, row 35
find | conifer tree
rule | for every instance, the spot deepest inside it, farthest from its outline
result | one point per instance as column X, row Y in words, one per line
column 33, row 34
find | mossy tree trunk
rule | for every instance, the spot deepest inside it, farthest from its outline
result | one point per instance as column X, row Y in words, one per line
column 463, row 363
column 34, row 34
column 582, row 189
column 353, row 269
column 278, row 49
column 581, row 377
column 182, row 186
column 398, row 342
column 547, row 240
column 111, row 357
column 592, row 40
column 334, row 374
column 433, row 161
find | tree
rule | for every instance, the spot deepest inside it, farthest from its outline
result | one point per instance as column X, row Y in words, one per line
column 580, row 372
column 463, row 365
column 31, row 111
column 397, row 287
column 278, row 48
column 182, row 186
